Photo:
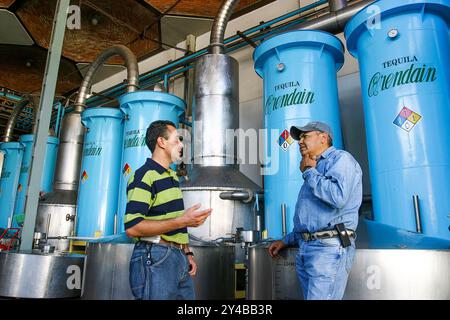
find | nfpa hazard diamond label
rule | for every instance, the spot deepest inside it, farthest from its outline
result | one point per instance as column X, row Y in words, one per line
column 285, row 140
column 126, row 169
column 407, row 119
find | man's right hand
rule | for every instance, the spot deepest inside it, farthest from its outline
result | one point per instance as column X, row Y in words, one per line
column 194, row 218
column 276, row 247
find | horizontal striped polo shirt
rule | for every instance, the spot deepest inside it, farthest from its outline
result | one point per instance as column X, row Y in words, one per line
column 154, row 193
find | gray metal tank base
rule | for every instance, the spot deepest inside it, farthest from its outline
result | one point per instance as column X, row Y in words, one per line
column 107, row 272
column 375, row 275
column 33, row 275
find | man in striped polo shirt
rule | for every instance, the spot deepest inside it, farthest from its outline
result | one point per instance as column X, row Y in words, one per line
column 161, row 265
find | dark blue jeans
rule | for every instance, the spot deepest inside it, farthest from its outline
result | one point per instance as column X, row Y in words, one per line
column 160, row 272
column 323, row 267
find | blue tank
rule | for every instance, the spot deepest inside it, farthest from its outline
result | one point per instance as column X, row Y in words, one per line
column 404, row 56
column 299, row 72
column 141, row 108
column 100, row 172
column 47, row 175
column 9, row 180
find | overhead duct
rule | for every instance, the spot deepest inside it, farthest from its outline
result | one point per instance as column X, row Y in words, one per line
column 216, row 45
column 335, row 21
column 130, row 63
column 72, row 132
column 336, row 5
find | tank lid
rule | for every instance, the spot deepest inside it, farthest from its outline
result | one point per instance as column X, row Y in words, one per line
column 305, row 38
column 358, row 24
column 26, row 138
column 103, row 112
column 30, row 138
column 11, row 145
column 152, row 96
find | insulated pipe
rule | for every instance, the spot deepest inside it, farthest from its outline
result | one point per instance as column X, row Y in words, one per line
column 334, row 22
column 216, row 45
column 132, row 72
column 336, row 5
column 8, row 137
column 68, row 163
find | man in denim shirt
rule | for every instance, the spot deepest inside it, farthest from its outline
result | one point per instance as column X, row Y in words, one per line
column 331, row 195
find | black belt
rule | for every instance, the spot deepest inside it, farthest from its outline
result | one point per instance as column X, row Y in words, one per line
column 166, row 243
column 307, row 236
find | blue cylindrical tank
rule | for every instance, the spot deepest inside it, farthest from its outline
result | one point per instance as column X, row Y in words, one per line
column 299, row 72
column 403, row 53
column 9, row 180
column 47, row 175
column 142, row 108
column 100, row 172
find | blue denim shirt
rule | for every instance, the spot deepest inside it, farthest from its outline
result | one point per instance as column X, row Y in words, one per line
column 331, row 194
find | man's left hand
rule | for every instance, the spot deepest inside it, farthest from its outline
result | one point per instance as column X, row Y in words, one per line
column 307, row 161
column 192, row 265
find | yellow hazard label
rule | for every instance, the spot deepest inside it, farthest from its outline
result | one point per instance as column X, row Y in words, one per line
column 98, row 234
column 264, row 234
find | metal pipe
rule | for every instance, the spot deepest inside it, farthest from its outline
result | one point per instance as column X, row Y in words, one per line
column 334, row 22
column 58, row 118
column 47, row 226
column 258, row 223
column 245, row 196
column 8, row 137
column 417, row 213
column 283, row 219
column 336, row 5
column 132, row 72
column 216, row 43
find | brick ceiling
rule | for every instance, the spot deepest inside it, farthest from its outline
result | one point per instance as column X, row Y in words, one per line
column 134, row 23
column 6, row 3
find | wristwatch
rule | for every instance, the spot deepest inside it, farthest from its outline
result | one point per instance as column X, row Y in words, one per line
column 189, row 253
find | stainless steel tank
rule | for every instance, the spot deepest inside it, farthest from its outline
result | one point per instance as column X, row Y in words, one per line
column 56, row 217
column 57, row 209
column 107, row 272
column 32, row 275
column 375, row 275
column 214, row 180
column 259, row 282
column 46, row 273
column 208, row 185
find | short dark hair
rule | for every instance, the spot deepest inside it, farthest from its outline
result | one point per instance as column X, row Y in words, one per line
column 330, row 141
column 155, row 130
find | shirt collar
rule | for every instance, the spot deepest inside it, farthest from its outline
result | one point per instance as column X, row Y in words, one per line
column 327, row 152
column 153, row 165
